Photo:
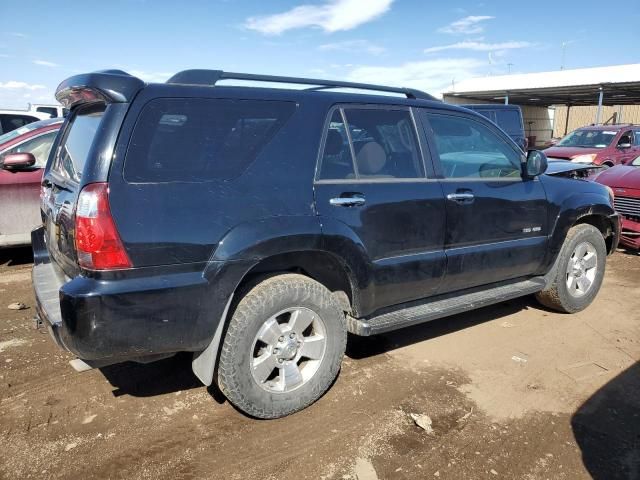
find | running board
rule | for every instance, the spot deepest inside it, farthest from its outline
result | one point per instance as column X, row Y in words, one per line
column 442, row 306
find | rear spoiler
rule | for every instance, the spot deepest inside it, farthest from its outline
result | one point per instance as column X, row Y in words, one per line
column 109, row 86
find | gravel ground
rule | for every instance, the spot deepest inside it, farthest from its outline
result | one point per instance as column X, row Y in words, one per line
column 512, row 391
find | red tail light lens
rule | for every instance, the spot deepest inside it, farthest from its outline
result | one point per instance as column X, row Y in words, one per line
column 97, row 241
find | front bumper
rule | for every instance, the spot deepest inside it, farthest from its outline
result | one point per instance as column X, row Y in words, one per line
column 128, row 315
column 630, row 235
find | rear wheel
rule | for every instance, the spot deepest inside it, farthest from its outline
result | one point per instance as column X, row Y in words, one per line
column 283, row 347
column 578, row 272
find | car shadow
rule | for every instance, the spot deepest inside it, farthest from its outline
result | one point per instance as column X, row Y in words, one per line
column 175, row 374
column 362, row 347
column 15, row 256
column 150, row 379
column 607, row 428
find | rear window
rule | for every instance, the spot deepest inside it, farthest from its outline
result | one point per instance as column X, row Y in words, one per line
column 509, row 120
column 77, row 143
column 193, row 140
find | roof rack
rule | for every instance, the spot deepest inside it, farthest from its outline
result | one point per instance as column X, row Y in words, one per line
column 210, row 77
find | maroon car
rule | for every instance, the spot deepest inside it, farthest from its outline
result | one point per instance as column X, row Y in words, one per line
column 606, row 145
column 624, row 180
column 23, row 155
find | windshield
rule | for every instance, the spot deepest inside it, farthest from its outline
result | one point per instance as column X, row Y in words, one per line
column 27, row 128
column 588, row 138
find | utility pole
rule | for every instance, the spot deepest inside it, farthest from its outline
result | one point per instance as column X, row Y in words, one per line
column 509, row 65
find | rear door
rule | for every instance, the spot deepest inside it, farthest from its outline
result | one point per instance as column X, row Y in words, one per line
column 371, row 185
column 62, row 181
column 496, row 221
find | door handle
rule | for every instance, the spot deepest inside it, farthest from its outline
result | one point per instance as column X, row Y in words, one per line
column 460, row 197
column 347, row 201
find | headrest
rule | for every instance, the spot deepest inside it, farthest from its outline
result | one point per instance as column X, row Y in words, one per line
column 371, row 158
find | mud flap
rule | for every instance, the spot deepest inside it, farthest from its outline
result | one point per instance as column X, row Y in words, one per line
column 204, row 362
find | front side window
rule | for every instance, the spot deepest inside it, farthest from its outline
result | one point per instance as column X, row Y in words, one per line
column 195, row 139
column 77, row 143
column 383, row 145
column 625, row 138
column 469, row 149
column 39, row 147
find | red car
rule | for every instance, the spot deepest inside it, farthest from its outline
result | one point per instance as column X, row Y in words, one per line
column 606, row 145
column 624, row 180
column 23, row 155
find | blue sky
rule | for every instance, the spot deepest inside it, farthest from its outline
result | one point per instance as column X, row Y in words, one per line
column 409, row 43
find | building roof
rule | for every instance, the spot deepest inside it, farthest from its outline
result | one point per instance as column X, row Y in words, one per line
column 620, row 86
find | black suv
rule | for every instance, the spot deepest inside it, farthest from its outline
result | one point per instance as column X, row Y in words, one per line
column 256, row 226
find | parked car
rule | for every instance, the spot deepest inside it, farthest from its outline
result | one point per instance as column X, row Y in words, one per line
column 53, row 111
column 12, row 119
column 20, row 184
column 507, row 117
column 255, row 226
column 625, row 182
column 606, row 145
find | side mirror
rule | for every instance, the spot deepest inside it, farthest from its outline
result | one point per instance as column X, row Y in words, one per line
column 536, row 163
column 18, row 161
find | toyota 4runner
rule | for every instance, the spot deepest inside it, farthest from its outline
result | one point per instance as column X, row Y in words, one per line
column 255, row 226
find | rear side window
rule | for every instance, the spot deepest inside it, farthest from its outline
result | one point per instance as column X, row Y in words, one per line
column 11, row 122
column 195, row 139
column 383, row 145
column 77, row 143
column 509, row 120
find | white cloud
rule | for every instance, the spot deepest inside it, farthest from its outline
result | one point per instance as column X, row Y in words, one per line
column 14, row 94
column 17, row 34
column 432, row 76
column 13, row 85
column 45, row 63
column 353, row 46
column 467, row 26
column 480, row 46
column 151, row 77
column 332, row 16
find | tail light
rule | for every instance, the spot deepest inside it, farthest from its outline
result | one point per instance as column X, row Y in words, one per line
column 97, row 241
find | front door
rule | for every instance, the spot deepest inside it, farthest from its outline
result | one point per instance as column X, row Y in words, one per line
column 496, row 220
column 20, row 192
column 372, row 187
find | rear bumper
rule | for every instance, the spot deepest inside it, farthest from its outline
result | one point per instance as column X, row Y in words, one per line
column 145, row 314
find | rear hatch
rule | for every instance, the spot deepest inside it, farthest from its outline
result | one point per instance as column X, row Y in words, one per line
column 62, row 183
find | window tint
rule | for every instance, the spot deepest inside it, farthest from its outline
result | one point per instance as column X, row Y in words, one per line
column 469, row 149
column 625, row 138
column 39, row 147
column 509, row 120
column 11, row 122
column 201, row 139
column 490, row 114
column 73, row 155
column 337, row 162
column 384, row 143
column 49, row 110
column 636, row 137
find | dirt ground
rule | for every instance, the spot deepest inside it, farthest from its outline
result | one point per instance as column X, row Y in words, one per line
column 513, row 391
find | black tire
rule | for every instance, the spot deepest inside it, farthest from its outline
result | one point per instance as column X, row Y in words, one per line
column 557, row 295
column 261, row 303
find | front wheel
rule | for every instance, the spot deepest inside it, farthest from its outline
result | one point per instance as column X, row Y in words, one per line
column 283, row 347
column 578, row 272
